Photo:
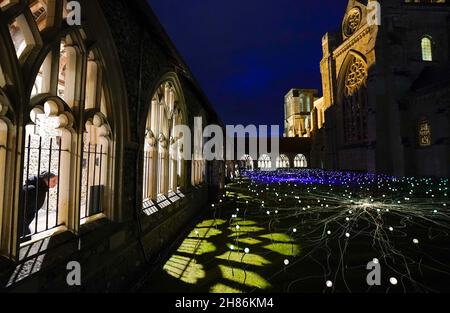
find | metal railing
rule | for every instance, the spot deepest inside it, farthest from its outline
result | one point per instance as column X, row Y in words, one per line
column 93, row 189
column 40, row 210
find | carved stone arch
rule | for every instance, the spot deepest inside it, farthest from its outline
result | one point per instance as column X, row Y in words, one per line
column 352, row 98
column 11, row 72
column 160, row 144
column 99, row 39
column 47, row 65
column 352, row 57
column 98, row 156
column 7, row 160
column 354, row 19
column 25, row 36
column 52, row 126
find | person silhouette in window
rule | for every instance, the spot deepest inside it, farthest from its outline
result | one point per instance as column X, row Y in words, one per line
column 34, row 194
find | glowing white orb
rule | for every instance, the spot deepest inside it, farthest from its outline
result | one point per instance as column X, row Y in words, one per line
column 247, row 250
column 347, row 219
column 329, row 284
column 294, row 230
column 347, row 235
column 268, row 213
column 391, row 229
column 286, row 262
column 376, row 261
column 329, row 232
column 393, row 281
column 231, row 247
column 416, row 241
column 238, row 227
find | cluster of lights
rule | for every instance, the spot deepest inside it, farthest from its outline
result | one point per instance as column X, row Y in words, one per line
column 340, row 202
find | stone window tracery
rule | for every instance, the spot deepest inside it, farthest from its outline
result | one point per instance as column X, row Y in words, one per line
column 283, row 161
column 163, row 163
column 356, row 76
column 265, row 162
column 300, row 161
column 61, row 119
column 355, row 101
column 352, row 21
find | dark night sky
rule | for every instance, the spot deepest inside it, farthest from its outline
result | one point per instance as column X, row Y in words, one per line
column 247, row 54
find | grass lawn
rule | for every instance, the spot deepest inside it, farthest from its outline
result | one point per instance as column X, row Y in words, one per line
column 315, row 231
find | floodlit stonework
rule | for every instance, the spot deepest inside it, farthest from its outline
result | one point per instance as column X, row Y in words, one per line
column 95, row 104
column 381, row 85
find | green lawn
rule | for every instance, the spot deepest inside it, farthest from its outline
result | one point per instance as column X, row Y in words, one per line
column 299, row 237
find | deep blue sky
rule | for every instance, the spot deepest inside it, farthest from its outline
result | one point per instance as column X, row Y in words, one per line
column 247, row 54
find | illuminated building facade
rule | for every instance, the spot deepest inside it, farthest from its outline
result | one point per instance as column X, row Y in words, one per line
column 386, row 91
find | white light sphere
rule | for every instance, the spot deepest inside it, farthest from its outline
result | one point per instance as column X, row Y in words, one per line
column 329, row 284
column 247, row 250
column 238, row 227
column 416, row 241
column 391, row 229
column 376, row 261
column 393, row 281
column 286, row 262
column 347, row 235
column 329, row 232
column 232, row 247
column 294, row 230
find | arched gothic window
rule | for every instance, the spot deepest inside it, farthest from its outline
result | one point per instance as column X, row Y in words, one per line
column 67, row 146
column 265, row 162
column 300, row 161
column 283, row 161
column 355, row 101
column 427, row 49
column 164, row 168
column 247, row 162
column 198, row 162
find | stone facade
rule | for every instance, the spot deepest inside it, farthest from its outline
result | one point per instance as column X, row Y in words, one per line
column 298, row 105
column 135, row 57
column 372, row 76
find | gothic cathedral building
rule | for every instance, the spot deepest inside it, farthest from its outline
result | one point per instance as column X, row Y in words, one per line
column 386, row 90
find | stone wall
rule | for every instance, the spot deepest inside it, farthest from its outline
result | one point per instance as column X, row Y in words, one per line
column 115, row 252
column 393, row 56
